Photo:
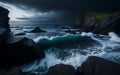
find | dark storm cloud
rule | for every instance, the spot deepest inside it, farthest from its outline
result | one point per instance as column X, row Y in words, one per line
column 69, row 5
column 67, row 9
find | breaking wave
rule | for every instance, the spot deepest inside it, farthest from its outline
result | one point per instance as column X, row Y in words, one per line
column 74, row 50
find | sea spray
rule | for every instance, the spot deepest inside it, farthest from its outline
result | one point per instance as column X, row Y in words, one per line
column 114, row 37
column 74, row 56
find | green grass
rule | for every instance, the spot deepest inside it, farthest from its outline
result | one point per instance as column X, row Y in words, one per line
column 99, row 16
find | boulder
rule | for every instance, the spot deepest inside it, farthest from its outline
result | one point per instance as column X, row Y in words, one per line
column 37, row 30
column 61, row 69
column 19, row 51
column 99, row 66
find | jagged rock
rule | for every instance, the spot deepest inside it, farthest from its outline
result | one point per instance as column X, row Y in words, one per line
column 61, row 69
column 4, row 19
column 37, row 30
column 109, row 24
column 4, row 26
column 99, row 66
column 4, row 32
column 21, row 50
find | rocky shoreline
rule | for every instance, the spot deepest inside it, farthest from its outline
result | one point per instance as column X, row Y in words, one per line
column 16, row 51
column 92, row 66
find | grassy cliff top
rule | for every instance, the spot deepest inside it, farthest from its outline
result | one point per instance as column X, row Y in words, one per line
column 99, row 16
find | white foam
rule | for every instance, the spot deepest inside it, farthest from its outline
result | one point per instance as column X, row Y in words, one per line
column 86, row 34
column 114, row 37
column 76, row 58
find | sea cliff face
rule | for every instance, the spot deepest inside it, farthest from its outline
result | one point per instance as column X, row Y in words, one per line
column 100, row 23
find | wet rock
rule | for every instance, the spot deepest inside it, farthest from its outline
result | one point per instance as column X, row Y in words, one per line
column 79, row 71
column 4, row 26
column 37, row 30
column 99, row 66
column 61, row 69
column 19, row 51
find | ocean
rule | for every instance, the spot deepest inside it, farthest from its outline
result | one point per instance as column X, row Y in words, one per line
column 66, row 48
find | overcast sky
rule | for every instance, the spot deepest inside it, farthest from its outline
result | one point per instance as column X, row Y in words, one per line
column 55, row 11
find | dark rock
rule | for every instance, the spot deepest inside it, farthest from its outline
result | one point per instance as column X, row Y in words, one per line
column 4, row 19
column 79, row 71
column 4, row 26
column 99, row 66
column 61, row 69
column 19, row 34
column 15, row 51
column 14, row 71
column 110, row 24
column 37, row 30
column 19, row 51
column 4, row 33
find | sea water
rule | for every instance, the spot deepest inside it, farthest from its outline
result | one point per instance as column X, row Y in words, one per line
column 73, row 49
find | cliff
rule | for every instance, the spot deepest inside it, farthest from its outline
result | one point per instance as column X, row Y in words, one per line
column 99, row 23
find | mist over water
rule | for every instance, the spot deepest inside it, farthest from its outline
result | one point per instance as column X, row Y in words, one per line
column 73, row 50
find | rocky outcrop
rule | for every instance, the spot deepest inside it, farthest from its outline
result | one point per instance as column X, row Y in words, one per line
column 110, row 23
column 61, row 69
column 4, row 19
column 99, row 66
column 21, row 50
column 37, row 30
column 14, row 50
column 4, row 26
